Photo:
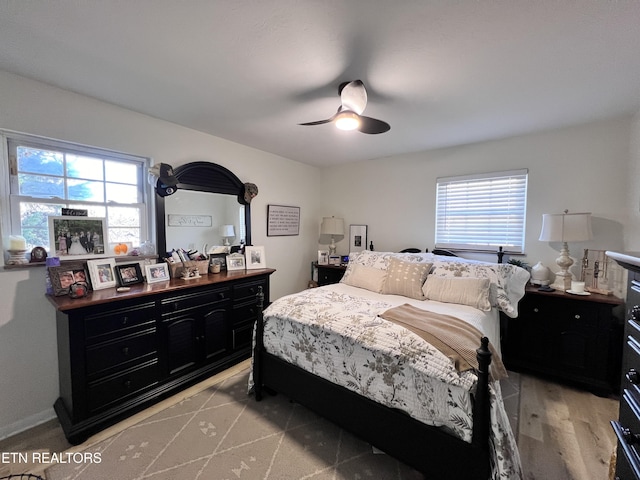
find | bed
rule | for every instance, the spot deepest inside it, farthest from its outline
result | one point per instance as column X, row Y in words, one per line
column 330, row 349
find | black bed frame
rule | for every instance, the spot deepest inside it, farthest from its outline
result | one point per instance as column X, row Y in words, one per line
column 428, row 449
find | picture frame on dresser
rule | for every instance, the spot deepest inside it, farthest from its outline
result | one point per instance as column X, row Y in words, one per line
column 235, row 261
column 62, row 277
column 158, row 272
column 102, row 273
column 129, row 274
column 255, row 257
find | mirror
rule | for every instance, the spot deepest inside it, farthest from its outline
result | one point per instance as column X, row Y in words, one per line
column 208, row 197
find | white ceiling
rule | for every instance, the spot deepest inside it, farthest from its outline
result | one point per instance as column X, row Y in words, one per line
column 442, row 73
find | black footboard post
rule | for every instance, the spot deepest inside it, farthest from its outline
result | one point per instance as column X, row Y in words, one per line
column 258, row 347
column 481, row 408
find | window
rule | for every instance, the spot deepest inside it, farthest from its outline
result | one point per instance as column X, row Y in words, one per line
column 482, row 212
column 46, row 176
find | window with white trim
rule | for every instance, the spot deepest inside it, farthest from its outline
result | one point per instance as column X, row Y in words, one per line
column 47, row 175
column 482, row 212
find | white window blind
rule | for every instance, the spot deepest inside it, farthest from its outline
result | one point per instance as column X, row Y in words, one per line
column 482, row 212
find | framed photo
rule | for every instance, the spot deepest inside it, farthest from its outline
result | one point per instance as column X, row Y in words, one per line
column 158, row 272
column 254, row 257
column 77, row 237
column 282, row 220
column 357, row 238
column 129, row 274
column 235, row 261
column 62, row 277
column 102, row 273
column 323, row 257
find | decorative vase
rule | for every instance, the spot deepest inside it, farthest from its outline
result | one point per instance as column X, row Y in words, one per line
column 540, row 274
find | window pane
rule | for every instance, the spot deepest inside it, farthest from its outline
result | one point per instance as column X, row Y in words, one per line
column 125, row 235
column 40, row 186
column 121, row 172
column 86, row 190
column 84, row 167
column 34, row 219
column 39, row 161
column 481, row 212
column 124, row 217
column 122, row 193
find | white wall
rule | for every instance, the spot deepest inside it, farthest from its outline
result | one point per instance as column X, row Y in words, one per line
column 28, row 352
column 583, row 168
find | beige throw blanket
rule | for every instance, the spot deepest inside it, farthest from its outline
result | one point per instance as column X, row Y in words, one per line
column 454, row 337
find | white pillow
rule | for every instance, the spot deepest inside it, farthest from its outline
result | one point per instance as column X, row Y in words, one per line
column 369, row 278
column 405, row 278
column 462, row 290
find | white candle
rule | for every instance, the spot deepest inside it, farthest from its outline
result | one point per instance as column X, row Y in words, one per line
column 16, row 242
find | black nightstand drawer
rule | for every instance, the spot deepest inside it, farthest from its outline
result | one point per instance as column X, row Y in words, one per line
column 329, row 274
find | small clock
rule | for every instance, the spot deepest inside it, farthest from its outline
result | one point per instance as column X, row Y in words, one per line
column 38, row 254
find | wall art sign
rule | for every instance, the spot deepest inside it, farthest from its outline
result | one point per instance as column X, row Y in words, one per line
column 189, row 220
column 282, row 220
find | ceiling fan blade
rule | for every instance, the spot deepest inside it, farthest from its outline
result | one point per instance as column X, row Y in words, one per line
column 353, row 96
column 317, row 122
column 373, row 126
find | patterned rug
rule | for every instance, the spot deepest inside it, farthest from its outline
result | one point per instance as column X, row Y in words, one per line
column 222, row 433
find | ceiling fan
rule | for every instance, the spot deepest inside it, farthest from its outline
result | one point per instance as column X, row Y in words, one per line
column 353, row 100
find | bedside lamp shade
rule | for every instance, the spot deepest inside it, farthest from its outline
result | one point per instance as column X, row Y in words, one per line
column 565, row 227
column 332, row 226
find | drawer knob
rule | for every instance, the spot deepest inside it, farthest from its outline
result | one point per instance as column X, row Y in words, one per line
column 125, row 351
column 125, row 320
column 633, row 376
column 629, row 437
column 576, row 316
column 536, row 310
column 127, row 384
column 221, row 295
column 635, row 312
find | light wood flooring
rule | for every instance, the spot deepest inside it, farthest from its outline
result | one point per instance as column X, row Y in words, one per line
column 563, row 432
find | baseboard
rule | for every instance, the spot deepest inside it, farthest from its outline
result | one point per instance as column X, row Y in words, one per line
column 27, row 423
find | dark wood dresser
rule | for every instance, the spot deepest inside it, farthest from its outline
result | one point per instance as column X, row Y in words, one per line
column 119, row 353
column 627, row 427
column 573, row 338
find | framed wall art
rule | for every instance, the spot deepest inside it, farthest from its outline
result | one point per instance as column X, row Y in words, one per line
column 62, row 277
column 357, row 238
column 102, row 273
column 158, row 272
column 77, row 237
column 254, row 257
column 282, row 220
column 129, row 274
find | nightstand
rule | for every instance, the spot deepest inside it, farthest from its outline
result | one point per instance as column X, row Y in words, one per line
column 328, row 274
column 576, row 338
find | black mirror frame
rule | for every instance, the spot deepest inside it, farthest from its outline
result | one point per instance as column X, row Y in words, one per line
column 202, row 177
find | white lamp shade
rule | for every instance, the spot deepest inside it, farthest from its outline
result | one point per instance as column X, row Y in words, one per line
column 228, row 231
column 332, row 226
column 566, row 227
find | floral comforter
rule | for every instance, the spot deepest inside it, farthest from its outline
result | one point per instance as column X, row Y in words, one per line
column 335, row 332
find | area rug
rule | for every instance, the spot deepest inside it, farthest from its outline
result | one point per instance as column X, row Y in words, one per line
column 222, row 433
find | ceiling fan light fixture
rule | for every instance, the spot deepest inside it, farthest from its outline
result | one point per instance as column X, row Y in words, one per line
column 347, row 120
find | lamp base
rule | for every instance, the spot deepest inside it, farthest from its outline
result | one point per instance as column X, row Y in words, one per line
column 562, row 281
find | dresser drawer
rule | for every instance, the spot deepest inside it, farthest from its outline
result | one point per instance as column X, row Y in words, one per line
column 118, row 387
column 182, row 303
column 245, row 313
column 117, row 321
column 247, row 290
column 121, row 352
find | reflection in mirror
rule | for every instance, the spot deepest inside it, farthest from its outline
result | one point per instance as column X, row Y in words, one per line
column 197, row 218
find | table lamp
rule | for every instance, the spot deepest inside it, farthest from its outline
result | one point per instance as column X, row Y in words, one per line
column 227, row 232
column 332, row 226
column 565, row 227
